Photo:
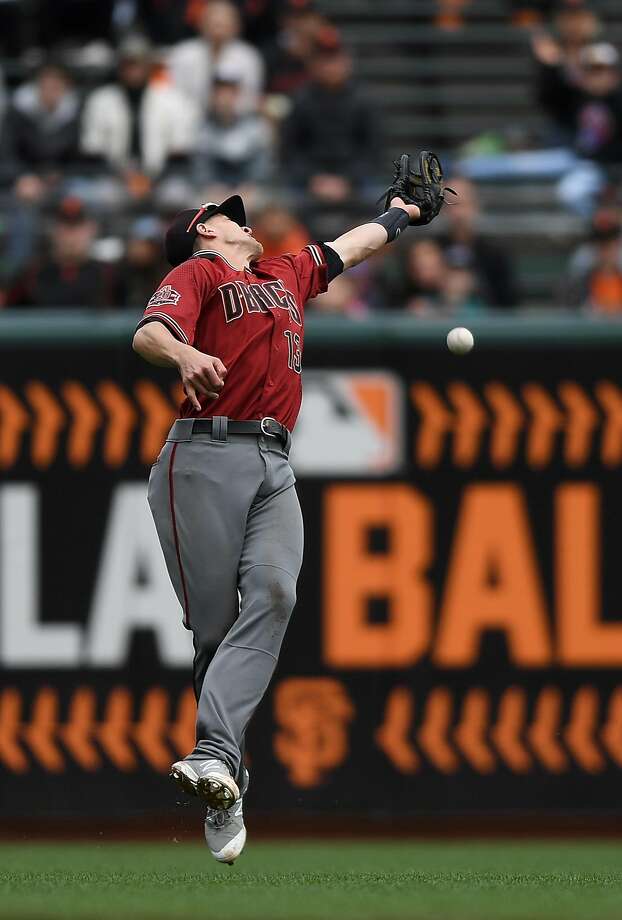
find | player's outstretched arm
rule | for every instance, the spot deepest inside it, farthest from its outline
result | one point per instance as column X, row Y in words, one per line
column 414, row 197
column 362, row 242
column 201, row 375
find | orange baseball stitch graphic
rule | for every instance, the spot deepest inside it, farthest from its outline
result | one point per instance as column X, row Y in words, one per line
column 14, row 421
column 65, row 421
column 94, row 732
column 157, row 417
column 392, row 735
column 506, row 733
column 579, row 734
column 610, row 398
column 470, row 733
column 477, row 732
column 508, row 419
column 507, row 426
column 49, row 419
column 470, row 423
column 433, row 734
column 612, row 731
column 543, row 731
column 71, row 420
column 86, row 419
column 121, row 416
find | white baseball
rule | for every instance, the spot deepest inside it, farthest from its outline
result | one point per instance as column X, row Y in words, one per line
column 460, row 341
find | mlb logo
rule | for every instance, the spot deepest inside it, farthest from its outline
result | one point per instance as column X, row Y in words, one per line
column 166, row 294
column 360, row 413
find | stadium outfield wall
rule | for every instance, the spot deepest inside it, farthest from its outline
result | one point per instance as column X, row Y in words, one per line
column 457, row 642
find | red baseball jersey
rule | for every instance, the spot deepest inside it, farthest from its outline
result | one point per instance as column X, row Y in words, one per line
column 253, row 320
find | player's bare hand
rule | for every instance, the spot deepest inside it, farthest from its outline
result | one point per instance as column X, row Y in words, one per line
column 201, row 375
column 411, row 209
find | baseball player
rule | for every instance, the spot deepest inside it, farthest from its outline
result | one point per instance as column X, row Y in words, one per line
column 222, row 491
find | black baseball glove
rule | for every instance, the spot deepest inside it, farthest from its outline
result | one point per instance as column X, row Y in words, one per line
column 424, row 188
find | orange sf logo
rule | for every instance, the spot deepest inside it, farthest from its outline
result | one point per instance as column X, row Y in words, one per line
column 313, row 715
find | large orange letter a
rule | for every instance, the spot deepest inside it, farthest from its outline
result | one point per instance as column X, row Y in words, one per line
column 493, row 581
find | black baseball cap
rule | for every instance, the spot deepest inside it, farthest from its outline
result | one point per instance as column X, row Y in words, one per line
column 181, row 234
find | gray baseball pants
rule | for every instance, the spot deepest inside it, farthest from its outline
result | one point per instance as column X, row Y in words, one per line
column 228, row 520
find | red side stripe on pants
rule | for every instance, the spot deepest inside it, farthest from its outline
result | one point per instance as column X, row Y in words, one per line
column 171, row 495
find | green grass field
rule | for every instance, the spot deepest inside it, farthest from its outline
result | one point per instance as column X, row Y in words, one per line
column 297, row 880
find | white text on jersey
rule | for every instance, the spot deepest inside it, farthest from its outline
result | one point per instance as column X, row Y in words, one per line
column 257, row 298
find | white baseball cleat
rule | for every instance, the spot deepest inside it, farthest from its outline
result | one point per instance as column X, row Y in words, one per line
column 225, row 833
column 210, row 780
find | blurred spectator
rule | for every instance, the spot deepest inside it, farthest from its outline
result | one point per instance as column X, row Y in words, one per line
column 279, row 231
column 418, row 286
column 19, row 233
column 288, row 55
column 558, row 55
column 329, row 137
column 69, row 276
column 234, row 147
column 193, row 63
column 584, row 256
column 43, row 123
column 342, row 297
column 599, row 107
column 435, row 282
column 591, row 108
column 138, row 123
column 573, row 27
column 144, row 265
column 460, row 289
column 595, row 271
column 587, row 105
column 463, row 243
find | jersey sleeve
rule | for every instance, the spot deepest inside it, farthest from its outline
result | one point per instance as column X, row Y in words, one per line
column 178, row 301
column 315, row 269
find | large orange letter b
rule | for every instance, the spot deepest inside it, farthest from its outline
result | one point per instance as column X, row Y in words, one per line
column 354, row 575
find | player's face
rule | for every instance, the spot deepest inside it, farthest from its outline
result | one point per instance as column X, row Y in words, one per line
column 228, row 232
column 255, row 247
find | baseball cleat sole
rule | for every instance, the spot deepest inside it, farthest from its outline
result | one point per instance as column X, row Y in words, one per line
column 217, row 792
column 215, row 789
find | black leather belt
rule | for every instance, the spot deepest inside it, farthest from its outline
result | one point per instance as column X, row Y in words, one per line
column 220, row 426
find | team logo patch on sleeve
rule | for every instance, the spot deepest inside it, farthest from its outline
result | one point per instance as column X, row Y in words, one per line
column 166, row 294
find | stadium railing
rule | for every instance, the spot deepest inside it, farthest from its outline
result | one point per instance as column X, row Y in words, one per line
column 390, row 328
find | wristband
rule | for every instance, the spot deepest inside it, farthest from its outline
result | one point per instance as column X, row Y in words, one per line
column 394, row 221
column 334, row 265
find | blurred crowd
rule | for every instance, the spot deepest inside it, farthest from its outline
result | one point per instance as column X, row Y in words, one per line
column 120, row 113
column 578, row 88
column 115, row 127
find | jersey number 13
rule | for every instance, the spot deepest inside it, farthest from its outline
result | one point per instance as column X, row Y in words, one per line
column 294, row 357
